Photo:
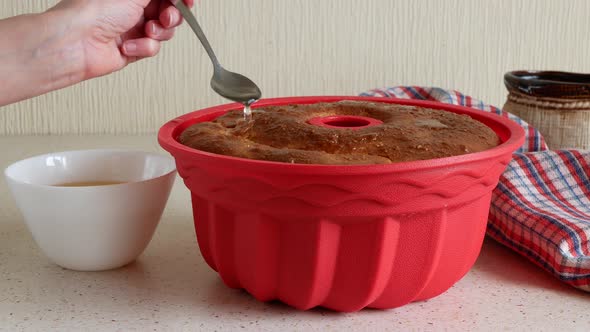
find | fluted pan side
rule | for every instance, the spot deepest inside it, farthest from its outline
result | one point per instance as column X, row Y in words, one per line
column 341, row 263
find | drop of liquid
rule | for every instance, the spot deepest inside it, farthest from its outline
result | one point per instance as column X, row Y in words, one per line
column 247, row 113
column 248, row 110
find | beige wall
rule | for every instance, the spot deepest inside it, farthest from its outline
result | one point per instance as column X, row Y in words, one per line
column 310, row 47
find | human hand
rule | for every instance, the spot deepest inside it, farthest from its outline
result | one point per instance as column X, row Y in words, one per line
column 114, row 33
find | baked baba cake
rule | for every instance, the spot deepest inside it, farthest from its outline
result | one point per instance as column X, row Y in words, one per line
column 367, row 133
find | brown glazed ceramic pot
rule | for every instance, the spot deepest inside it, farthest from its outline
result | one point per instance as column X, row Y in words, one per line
column 556, row 103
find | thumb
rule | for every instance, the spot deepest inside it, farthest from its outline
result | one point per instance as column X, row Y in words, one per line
column 152, row 7
column 142, row 3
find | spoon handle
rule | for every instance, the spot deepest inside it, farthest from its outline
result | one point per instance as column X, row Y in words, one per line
column 192, row 21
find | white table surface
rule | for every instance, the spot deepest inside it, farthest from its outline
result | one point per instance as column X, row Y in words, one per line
column 170, row 287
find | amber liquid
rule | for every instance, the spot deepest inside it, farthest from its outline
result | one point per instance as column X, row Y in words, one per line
column 89, row 184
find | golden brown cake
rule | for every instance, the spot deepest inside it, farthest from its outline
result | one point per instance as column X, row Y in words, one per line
column 284, row 134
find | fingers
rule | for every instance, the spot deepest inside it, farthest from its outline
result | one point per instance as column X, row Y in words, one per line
column 162, row 18
column 155, row 30
column 141, row 47
column 170, row 16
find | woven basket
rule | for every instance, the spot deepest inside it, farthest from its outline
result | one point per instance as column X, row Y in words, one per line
column 556, row 103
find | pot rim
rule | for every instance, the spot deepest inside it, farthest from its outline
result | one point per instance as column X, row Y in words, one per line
column 548, row 84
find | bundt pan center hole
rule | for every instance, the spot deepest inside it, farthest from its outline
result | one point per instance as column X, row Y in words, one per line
column 344, row 122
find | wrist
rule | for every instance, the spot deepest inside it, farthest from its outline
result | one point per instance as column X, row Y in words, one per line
column 39, row 53
column 60, row 50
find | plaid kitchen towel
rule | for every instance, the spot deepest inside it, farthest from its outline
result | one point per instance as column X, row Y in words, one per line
column 541, row 206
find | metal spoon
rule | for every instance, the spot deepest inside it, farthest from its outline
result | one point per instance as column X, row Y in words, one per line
column 227, row 84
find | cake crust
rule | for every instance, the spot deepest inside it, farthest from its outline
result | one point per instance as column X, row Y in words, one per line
column 283, row 134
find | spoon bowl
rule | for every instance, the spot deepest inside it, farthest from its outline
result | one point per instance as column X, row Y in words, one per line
column 234, row 86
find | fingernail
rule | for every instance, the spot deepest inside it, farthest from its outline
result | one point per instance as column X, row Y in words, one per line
column 171, row 18
column 130, row 47
column 155, row 29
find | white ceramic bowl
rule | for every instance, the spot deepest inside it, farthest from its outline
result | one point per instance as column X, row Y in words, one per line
column 92, row 228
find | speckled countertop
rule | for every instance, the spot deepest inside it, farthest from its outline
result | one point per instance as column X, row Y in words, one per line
column 170, row 287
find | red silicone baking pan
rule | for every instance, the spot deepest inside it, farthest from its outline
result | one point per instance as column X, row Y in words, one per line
column 341, row 237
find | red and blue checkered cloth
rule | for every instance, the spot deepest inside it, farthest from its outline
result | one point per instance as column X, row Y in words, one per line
column 541, row 206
